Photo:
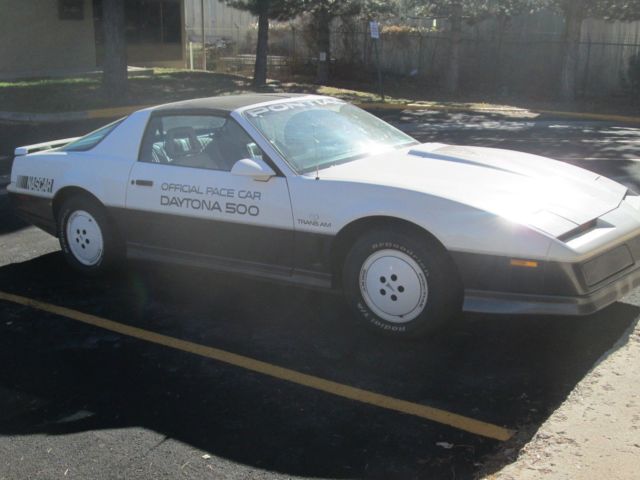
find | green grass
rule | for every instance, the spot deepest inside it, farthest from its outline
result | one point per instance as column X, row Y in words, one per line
column 46, row 95
column 166, row 85
column 78, row 94
column 45, row 82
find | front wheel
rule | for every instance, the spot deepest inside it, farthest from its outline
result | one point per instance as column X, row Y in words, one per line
column 401, row 284
column 87, row 238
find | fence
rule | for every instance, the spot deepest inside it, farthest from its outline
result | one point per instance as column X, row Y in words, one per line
column 515, row 61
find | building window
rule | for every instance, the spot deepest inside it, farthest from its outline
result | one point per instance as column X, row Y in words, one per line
column 71, row 9
column 150, row 21
column 148, row 24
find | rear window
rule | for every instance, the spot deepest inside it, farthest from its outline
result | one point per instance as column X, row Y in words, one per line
column 91, row 139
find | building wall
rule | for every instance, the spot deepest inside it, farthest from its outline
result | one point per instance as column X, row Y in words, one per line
column 221, row 21
column 145, row 51
column 156, row 55
column 36, row 41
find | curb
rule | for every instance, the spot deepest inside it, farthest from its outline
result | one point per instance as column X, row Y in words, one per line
column 25, row 117
column 591, row 116
column 114, row 111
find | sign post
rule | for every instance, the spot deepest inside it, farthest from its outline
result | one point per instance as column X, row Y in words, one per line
column 375, row 35
column 204, row 38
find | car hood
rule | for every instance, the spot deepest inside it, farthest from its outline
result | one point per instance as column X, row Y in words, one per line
column 553, row 196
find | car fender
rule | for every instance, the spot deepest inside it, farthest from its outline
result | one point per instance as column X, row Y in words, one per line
column 326, row 207
column 104, row 178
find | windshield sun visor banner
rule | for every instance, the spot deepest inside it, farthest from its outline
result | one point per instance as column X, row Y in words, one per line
column 294, row 105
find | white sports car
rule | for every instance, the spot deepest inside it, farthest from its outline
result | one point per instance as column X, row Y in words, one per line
column 314, row 191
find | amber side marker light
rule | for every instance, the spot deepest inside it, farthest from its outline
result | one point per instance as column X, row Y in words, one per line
column 523, row 263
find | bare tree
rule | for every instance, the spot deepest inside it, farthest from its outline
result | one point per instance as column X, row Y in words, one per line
column 322, row 12
column 265, row 10
column 262, row 48
column 574, row 13
column 456, row 12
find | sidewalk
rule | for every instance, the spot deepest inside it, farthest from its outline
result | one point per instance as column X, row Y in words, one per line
column 595, row 434
column 507, row 111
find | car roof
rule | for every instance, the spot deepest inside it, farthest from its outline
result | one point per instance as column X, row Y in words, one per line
column 226, row 103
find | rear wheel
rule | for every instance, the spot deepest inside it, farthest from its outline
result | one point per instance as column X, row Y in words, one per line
column 401, row 283
column 87, row 238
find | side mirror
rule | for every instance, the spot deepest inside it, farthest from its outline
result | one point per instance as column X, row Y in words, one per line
column 254, row 168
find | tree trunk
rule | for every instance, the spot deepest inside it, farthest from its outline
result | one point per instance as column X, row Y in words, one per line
column 349, row 32
column 573, row 16
column 262, row 49
column 499, row 84
column 455, row 38
column 323, row 22
column 114, row 79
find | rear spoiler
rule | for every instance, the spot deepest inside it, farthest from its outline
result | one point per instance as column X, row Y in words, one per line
column 39, row 147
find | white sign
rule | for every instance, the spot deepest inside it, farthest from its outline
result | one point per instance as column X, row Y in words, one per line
column 375, row 31
column 323, row 56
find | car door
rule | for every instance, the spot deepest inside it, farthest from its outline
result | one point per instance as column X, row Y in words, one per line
column 182, row 198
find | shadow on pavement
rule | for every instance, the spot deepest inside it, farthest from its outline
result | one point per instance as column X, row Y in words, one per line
column 8, row 221
column 512, row 371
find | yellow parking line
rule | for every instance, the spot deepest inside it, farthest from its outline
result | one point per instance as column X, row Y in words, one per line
column 346, row 391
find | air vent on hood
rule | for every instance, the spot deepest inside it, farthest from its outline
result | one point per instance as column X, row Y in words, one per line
column 580, row 230
column 455, row 155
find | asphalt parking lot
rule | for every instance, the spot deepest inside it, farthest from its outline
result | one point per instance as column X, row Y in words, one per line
column 80, row 401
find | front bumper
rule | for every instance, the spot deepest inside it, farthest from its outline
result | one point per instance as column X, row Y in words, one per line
column 552, row 288
column 518, row 303
column 492, row 285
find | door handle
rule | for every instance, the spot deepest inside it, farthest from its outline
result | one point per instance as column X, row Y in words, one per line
column 144, row 183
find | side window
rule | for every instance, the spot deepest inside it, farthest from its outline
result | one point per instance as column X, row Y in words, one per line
column 92, row 139
column 197, row 141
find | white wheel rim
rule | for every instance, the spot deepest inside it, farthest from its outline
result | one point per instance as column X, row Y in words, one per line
column 84, row 238
column 393, row 286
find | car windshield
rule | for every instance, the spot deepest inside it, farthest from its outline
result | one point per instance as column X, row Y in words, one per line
column 321, row 132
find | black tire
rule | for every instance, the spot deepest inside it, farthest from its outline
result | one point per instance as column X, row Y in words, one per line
column 440, row 305
column 112, row 251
